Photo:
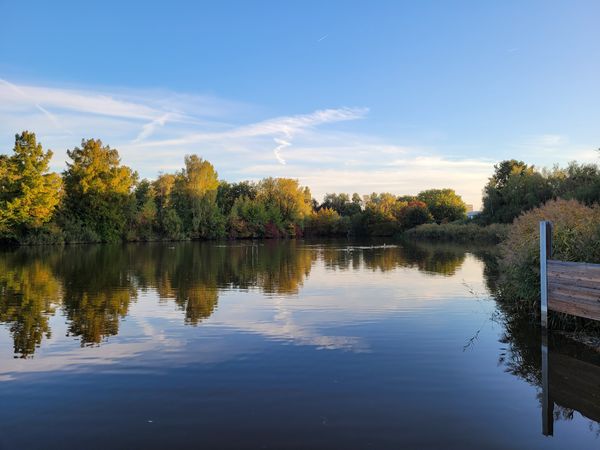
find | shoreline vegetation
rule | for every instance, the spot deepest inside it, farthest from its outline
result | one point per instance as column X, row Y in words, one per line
column 459, row 232
column 97, row 199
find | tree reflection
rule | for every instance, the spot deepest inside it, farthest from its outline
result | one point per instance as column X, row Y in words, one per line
column 443, row 259
column 28, row 293
column 439, row 259
column 574, row 370
column 98, row 289
column 96, row 285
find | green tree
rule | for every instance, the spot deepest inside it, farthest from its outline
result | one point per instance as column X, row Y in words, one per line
column 381, row 215
column 578, row 181
column 144, row 214
column 169, row 223
column 414, row 214
column 286, row 202
column 195, row 199
column 327, row 222
column 29, row 194
column 247, row 219
column 515, row 187
column 98, row 192
column 444, row 204
column 228, row 193
column 342, row 204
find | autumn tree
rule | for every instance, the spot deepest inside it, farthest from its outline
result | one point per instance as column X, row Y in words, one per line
column 328, row 222
column 415, row 213
column 444, row 204
column 98, row 192
column 287, row 203
column 29, row 193
column 195, row 199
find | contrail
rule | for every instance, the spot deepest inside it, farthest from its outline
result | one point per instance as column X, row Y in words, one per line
column 150, row 127
column 19, row 91
column 282, row 144
column 322, row 38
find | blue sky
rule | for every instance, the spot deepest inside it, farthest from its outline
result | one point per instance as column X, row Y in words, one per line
column 345, row 96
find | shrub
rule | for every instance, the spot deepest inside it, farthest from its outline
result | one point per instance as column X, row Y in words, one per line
column 457, row 232
column 327, row 222
column 414, row 214
column 49, row 234
column 576, row 237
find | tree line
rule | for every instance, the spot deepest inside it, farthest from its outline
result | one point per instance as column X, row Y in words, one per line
column 517, row 187
column 98, row 199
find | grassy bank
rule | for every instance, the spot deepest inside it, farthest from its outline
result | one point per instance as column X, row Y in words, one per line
column 457, row 232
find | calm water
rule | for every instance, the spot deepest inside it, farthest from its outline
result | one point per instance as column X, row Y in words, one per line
column 328, row 344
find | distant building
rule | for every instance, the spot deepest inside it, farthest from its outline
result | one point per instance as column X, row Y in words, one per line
column 469, row 208
column 471, row 214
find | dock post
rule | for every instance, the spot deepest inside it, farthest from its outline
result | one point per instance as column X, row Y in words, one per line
column 545, row 254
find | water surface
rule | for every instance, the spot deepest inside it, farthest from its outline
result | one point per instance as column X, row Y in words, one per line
column 327, row 344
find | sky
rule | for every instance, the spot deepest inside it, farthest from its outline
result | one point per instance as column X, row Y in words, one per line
column 349, row 96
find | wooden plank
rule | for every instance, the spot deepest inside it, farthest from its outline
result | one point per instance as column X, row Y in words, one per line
column 574, row 271
column 575, row 290
column 573, row 264
column 578, row 302
column 576, row 307
column 559, row 279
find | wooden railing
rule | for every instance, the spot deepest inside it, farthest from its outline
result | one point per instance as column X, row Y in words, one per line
column 567, row 287
column 570, row 288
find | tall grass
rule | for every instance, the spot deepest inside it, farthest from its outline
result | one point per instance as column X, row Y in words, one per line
column 576, row 237
column 459, row 232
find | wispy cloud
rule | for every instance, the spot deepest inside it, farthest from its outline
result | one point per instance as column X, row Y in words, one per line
column 150, row 128
column 281, row 145
column 285, row 126
column 24, row 95
column 153, row 130
column 11, row 95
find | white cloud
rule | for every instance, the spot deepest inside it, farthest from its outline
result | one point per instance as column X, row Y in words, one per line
column 153, row 130
column 281, row 144
column 12, row 96
column 150, row 128
column 286, row 126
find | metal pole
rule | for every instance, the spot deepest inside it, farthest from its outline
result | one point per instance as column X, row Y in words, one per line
column 545, row 254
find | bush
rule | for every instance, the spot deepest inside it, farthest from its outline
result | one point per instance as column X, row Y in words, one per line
column 49, row 234
column 457, row 232
column 172, row 225
column 576, row 237
column 327, row 222
column 414, row 214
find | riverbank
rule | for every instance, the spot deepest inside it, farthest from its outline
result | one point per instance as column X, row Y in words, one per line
column 461, row 233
